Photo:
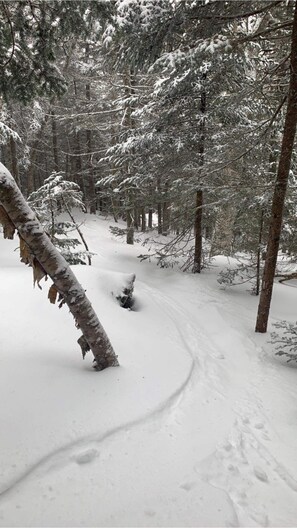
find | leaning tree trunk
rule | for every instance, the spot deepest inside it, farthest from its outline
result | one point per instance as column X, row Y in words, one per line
column 31, row 232
column 279, row 190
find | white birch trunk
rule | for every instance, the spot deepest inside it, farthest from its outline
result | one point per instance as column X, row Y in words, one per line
column 30, row 230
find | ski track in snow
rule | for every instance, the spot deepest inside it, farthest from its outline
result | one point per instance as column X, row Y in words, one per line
column 244, row 458
column 236, row 465
column 82, row 450
column 241, row 462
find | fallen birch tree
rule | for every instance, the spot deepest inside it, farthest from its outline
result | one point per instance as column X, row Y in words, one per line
column 38, row 251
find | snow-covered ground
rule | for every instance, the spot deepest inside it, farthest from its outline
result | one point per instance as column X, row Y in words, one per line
column 197, row 427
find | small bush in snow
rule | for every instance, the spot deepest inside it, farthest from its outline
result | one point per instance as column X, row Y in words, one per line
column 286, row 341
column 243, row 273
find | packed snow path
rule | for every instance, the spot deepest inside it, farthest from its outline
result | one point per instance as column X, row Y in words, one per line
column 196, row 428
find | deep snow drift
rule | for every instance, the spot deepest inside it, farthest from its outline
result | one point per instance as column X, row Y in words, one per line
column 197, row 427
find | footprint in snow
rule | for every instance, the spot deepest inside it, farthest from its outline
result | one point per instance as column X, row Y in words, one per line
column 260, row 474
column 187, row 486
column 85, row 457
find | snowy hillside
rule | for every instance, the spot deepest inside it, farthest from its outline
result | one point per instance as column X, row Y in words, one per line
column 197, row 427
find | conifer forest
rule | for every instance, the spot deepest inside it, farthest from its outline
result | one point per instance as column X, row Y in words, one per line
column 148, row 189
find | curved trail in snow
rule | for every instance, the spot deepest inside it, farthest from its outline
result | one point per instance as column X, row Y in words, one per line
column 62, row 456
column 239, row 467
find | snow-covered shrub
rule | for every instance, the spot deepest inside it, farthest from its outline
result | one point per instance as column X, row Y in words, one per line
column 285, row 341
column 244, row 272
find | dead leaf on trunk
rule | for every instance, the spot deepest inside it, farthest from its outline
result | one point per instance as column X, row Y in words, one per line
column 38, row 273
column 8, row 226
column 25, row 253
column 52, row 294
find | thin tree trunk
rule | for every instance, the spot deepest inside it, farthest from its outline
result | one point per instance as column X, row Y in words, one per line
column 136, row 218
column 166, row 211
column 259, row 253
column 30, row 183
column 55, row 141
column 79, row 178
column 78, row 164
column 79, row 232
column 130, row 227
column 91, row 182
column 198, row 233
column 130, row 195
column 279, row 190
column 199, row 194
column 159, row 210
column 150, row 219
column 67, row 164
column 14, row 161
column 114, row 208
column 31, row 232
column 143, row 220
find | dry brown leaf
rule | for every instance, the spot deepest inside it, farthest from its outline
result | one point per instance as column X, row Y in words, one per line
column 38, row 273
column 25, row 254
column 52, row 294
column 8, row 226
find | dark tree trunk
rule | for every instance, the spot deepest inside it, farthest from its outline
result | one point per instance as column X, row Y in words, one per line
column 51, row 261
column 198, row 233
column 199, row 194
column 55, row 141
column 91, row 181
column 130, row 227
column 78, row 166
column 165, row 227
column 30, row 174
column 14, row 161
column 143, row 220
column 136, row 218
column 150, row 219
column 259, row 253
column 159, row 206
column 166, row 211
column 160, row 227
column 67, row 164
column 30, row 183
column 129, row 124
column 279, row 190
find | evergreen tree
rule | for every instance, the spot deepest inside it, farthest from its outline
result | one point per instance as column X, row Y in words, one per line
column 55, row 197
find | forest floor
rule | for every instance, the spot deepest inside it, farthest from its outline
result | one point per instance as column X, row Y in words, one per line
column 197, row 427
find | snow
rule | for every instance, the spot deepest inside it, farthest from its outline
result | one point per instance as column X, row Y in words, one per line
column 197, row 427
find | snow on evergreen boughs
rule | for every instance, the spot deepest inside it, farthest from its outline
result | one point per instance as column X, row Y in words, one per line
column 54, row 197
column 6, row 133
column 286, row 341
column 244, row 272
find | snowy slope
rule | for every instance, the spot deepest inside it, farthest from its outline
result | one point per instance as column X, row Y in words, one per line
column 197, row 427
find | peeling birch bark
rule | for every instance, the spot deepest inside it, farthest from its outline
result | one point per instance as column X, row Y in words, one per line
column 22, row 217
